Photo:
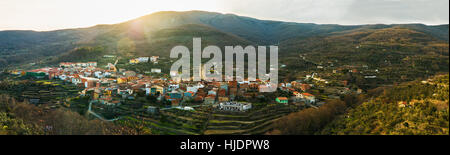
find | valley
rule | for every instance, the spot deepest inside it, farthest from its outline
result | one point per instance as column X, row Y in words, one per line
column 115, row 78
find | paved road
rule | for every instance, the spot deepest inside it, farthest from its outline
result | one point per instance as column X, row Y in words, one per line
column 195, row 106
column 99, row 116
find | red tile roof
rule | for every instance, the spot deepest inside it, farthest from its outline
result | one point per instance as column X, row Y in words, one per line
column 282, row 98
column 307, row 94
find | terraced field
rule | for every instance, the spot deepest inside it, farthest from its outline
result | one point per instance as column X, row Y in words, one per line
column 47, row 91
column 207, row 121
column 257, row 121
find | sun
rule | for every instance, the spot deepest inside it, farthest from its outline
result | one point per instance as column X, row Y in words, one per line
column 56, row 14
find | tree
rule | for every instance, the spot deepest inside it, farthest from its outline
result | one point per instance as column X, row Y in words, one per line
column 308, row 121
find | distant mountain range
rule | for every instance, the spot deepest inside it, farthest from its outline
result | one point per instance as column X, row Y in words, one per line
column 157, row 33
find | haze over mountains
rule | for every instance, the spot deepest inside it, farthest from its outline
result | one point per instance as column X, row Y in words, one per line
column 157, row 33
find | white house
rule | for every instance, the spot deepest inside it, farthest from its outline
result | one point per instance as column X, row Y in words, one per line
column 62, row 77
column 76, row 80
column 154, row 58
column 212, row 92
column 148, row 91
column 98, row 74
column 156, row 70
column 143, row 59
column 92, row 64
column 235, row 106
column 192, row 89
column 308, row 97
column 173, row 86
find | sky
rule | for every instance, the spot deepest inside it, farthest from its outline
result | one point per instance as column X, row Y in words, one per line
column 45, row 15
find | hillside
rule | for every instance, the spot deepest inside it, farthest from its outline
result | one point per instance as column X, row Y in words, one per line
column 411, row 108
column 156, row 33
column 415, row 108
column 398, row 53
column 159, row 43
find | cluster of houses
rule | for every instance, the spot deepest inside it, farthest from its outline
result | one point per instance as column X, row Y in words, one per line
column 110, row 87
column 299, row 91
column 153, row 59
column 210, row 93
column 78, row 64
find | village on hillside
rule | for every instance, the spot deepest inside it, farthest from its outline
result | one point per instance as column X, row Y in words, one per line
column 110, row 86
column 113, row 94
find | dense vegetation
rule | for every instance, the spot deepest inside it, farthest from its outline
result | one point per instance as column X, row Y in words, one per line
column 306, row 122
column 311, row 120
column 393, row 55
column 21, row 118
column 413, row 108
column 424, row 111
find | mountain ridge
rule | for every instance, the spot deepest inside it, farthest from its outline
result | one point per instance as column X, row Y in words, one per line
column 21, row 46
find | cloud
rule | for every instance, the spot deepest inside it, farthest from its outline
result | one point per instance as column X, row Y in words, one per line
column 399, row 11
column 57, row 14
column 345, row 11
